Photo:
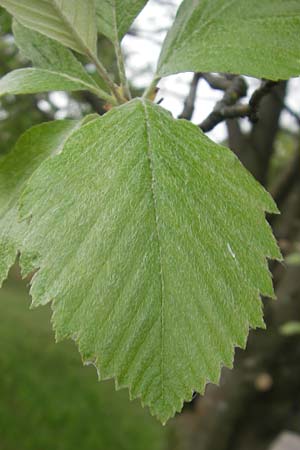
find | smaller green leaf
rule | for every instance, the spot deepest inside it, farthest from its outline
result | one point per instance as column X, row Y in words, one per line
column 32, row 81
column 46, row 53
column 290, row 328
column 259, row 38
column 114, row 17
column 66, row 72
column 71, row 22
column 33, row 147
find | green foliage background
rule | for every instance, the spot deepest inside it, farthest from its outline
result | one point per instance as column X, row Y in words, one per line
column 48, row 400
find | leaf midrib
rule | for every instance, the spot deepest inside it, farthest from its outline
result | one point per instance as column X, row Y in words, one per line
column 72, row 30
column 161, row 277
column 115, row 23
column 68, row 77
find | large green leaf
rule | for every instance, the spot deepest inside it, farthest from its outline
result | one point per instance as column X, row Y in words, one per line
column 33, row 80
column 71, row 22
column 258, row 38
column 153, row 250
column 114, row 17
column 33, row 147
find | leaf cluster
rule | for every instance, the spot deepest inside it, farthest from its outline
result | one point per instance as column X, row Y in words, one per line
column 149, row 239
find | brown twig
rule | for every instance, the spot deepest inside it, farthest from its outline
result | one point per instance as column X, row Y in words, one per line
column 236, row 90
column 257, row 96
column 218, row 82
column 230, row 108
column 189, row 104
column 283, row 185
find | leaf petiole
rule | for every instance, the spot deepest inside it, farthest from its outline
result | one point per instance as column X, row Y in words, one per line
column 122, row 70
column 150, row 91
column 119, row 99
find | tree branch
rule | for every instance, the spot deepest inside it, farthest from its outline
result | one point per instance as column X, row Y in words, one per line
column 236, row 90
column 286, row 180
column 221, row 83
column 229, row 108
column 189, row 104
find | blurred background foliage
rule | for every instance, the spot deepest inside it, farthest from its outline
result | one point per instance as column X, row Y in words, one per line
column 48, row 400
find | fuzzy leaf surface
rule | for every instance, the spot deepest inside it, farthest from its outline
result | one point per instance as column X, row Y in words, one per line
column 46, row 53
column 259, row 38
column 71, row 22
column 33, row 147
column 33, row 80
column 152, row 249
column 114, row 17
